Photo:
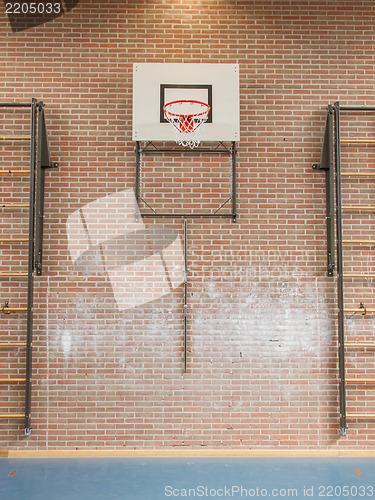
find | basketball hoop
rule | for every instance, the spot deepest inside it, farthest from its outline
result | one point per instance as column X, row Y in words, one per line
column 187, row 118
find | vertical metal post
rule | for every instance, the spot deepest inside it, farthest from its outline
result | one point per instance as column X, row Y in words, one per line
column 330, row 191
column 41, row 163
column 137, row 170
column 234, row 176
column 185, row 295
column 137, row 186
column 327, row 164
column 340, row 287
column 30, row 283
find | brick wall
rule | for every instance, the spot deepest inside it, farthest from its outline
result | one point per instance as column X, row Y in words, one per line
column 262, row 356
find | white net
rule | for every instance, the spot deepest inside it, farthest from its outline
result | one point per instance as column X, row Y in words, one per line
column 186, row 117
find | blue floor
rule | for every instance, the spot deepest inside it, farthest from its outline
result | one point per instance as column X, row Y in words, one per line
column 163, row 478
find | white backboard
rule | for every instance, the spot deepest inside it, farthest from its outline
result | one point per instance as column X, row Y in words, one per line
column 156, row 84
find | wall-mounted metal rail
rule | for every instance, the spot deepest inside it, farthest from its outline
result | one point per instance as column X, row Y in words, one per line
column 39, row 160
column 331, row 162
column 185, row 295
column 327, row 164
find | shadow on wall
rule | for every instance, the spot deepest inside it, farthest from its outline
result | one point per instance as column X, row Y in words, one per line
column 27, row 15
column 107, row 236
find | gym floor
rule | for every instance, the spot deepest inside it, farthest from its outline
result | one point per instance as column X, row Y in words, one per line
column 158, row 478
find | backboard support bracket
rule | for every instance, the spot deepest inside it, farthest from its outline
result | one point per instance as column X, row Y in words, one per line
column 150, row 148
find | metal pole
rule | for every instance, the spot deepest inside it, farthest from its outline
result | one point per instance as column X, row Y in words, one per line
column 188, row 216
column 234, row 175
column 185, row 296
column 330, row 193
column 40, row 178
column 137, row 186
column 30, row 283
column 137, row 170
column 15, row 105
column 190, row 151
column 357, row 108
column 340, row 284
